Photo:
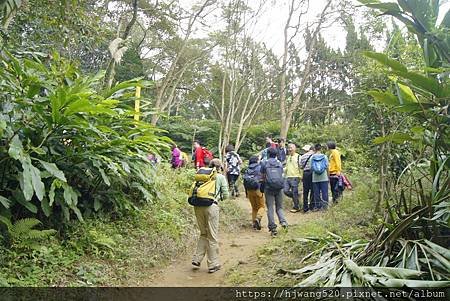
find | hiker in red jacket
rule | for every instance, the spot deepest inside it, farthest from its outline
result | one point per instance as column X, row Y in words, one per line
column 199, row 159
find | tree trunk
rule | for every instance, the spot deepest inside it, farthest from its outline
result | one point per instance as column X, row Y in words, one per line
column 283, row 106
column 170, row 77
column 111, row 69
column 287, row 110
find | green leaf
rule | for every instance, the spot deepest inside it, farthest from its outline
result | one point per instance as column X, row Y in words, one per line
column 356, row 270
column 77, row 213
column 97, row 204
column 385, row 60
column 38, row 185
column 15, row 148
column 70, row 196
column 38, row 150
column 6, row 221
column 104, row 177
column 425, row 83
column 30, row 206
column 383, row 6
column 51, row 193
column 131, row 84
column 398, row 138
column 5, row 202
column 406, row 93
column 45, row 205
column 384, row 97
column 27, row 179
column 79, row 106
column 54, row 170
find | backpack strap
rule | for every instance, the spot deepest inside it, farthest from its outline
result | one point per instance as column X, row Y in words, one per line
column 306, row 162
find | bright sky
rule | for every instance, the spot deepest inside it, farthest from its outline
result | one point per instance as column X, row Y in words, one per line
column 269, row 26
column 273, row 19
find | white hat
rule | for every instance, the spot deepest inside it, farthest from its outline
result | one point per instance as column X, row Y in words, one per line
column 306, row 148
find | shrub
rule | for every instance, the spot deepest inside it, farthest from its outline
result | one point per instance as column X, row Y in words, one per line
column 66, row 148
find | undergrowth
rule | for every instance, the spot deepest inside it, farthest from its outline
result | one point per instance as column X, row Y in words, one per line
column 352, row 218
column 121, row 250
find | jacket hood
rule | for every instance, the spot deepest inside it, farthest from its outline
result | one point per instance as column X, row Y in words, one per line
column 318, row 156
column 253, row 165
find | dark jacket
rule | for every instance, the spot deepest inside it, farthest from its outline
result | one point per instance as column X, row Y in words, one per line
column 282, row 154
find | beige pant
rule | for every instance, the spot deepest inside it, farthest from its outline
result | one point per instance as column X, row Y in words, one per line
column 208, row 242
column 257, row 201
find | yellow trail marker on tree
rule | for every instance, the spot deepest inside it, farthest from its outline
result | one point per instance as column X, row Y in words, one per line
column 137, row 103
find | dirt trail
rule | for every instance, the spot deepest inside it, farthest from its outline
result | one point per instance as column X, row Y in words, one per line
column 235, row 248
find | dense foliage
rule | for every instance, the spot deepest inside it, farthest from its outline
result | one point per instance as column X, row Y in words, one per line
column 73, row 150
column 69, row 148
column 408, row 247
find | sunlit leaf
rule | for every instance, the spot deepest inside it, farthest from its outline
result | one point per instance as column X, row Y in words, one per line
column 385, row 60
column 398, row 138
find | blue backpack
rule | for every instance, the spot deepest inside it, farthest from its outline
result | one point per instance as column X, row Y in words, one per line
column 274, row 176
column 319, row 164
column 251, row 180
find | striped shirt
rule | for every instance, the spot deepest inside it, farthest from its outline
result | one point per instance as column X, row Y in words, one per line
column 303, row 158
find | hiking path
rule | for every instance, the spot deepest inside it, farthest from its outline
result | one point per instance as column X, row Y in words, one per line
column 237, row 249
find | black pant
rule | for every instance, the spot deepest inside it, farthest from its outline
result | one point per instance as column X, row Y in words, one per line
column 334, row 185
column 307, row 190
column 232, row 179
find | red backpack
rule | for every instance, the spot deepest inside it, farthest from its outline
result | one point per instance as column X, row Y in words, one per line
column 207, row 155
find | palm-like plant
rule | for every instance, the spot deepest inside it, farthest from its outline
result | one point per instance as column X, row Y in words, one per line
column 407, row 249
column 7, row 10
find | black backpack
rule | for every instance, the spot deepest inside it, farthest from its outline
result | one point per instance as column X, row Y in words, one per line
column 251, row 179
column 274, row 176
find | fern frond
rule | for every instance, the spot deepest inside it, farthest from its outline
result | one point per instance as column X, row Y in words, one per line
column 39, row 234
column 23, row 226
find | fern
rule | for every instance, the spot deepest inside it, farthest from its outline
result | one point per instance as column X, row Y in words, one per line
column 23, row 236
column 22, row 227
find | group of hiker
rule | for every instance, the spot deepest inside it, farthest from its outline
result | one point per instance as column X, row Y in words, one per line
column 275, row 171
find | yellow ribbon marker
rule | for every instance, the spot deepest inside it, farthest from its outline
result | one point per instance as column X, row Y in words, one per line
column 137, row 103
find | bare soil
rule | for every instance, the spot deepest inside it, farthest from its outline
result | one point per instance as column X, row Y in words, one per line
column 237, row 250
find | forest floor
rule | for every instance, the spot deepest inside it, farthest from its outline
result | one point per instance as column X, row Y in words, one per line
column 238, row 250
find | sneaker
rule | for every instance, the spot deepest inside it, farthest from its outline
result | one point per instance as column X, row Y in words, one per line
column 257, row 224
column 273, row 232
column 196, row 264
column 214, row 269
column 284, row 225
column 293, row 210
